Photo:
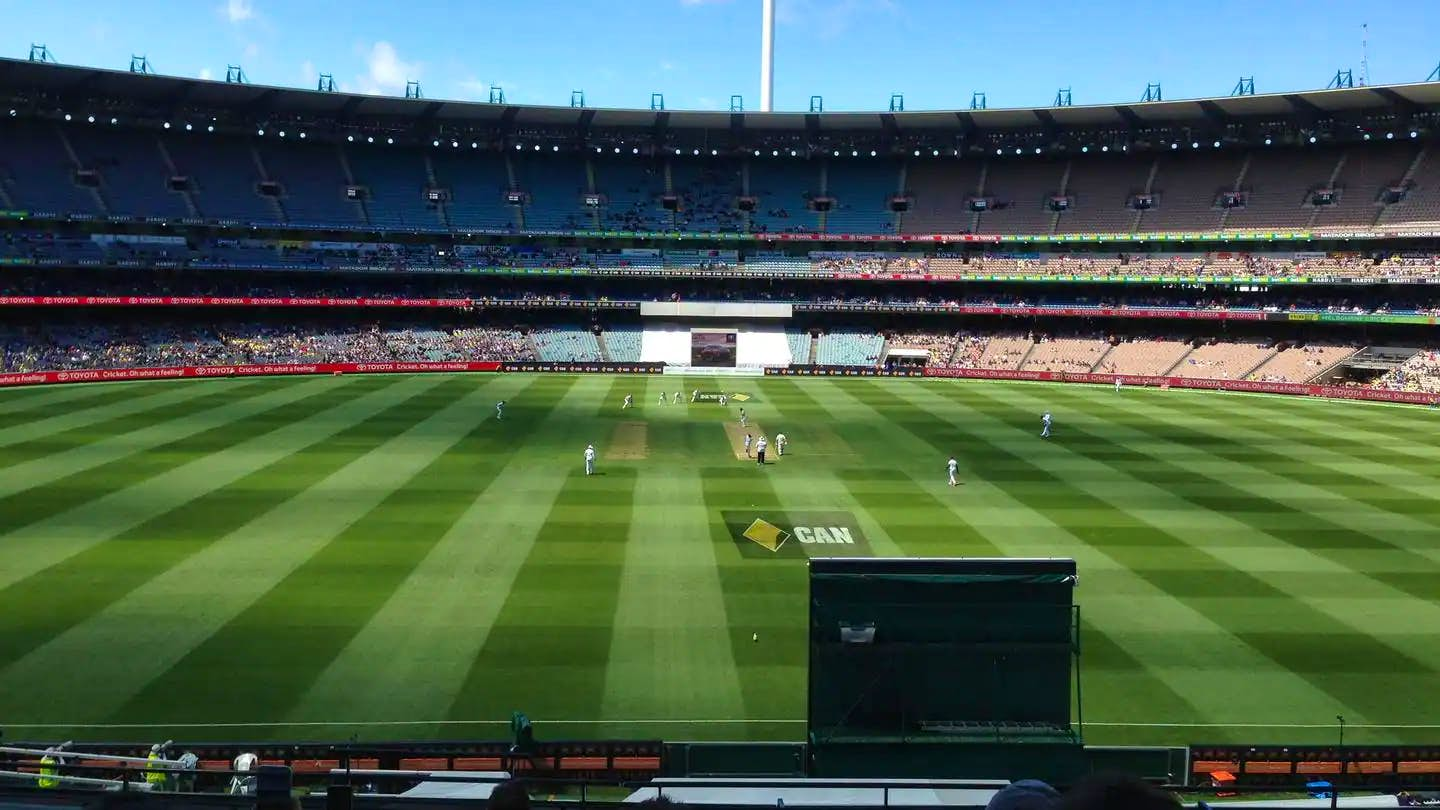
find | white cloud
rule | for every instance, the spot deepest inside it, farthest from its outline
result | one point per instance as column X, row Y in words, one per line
column 206, row 74
column 238, row 11
column 385, row 72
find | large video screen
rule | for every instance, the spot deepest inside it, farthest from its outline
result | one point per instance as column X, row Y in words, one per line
column 712, row 349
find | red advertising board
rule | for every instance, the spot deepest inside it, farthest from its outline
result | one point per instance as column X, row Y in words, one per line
column 193, row 372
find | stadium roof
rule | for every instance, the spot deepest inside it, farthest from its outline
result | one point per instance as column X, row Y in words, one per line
column 66, row 83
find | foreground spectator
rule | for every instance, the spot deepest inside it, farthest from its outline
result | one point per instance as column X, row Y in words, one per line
column 1116, row 792
column 1027, row 794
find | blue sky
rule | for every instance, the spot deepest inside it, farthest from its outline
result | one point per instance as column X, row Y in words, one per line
column 854, row 53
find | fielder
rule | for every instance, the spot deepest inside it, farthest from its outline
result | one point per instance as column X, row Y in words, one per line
column 500, row 410
column 676, row 399
column 742, row 417
column 695, row 395
column 629, row 402
column 1117, row 384
column 724, row 400
column 953, row 467
column 662, row 397
column 590, row 459
column 779, row 444
column 747, row 445
column 760, row 451
column 1045, row 426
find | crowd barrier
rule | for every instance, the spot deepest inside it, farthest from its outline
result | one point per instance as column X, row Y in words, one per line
column 282, row 369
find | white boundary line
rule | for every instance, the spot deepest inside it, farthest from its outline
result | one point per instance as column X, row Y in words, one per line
column 709, row 721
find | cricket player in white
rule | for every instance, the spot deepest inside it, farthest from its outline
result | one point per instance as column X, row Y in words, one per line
column 760, row 450
column 500, row 410
column 1117, row 384
column 590, row 459
column 628, row 402
column 695, row 395
column 742, row 417
column 747, row 445
column 779, row 444
column 953, row 466
column 724, row 400
column 676, row 399
column 662, row 397
column 1045, row 426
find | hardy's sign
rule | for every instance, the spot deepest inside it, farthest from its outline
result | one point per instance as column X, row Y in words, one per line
column 797, row 534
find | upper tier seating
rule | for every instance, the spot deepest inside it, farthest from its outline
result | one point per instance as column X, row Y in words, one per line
column 849, row 349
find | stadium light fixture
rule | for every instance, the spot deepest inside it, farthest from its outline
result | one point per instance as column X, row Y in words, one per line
column 189, row 128
column 112, row 120
column 854, row 153
column 999, row 152
column 714, row 152
column 12, row 113
column 1216, row 144
column 617, row 151
column 282, row 133
column 697, row 151
column 935, row 153
column 1037, row 151
column 1367, row 136
column 302, row 136
column 837, row 153
column 518, row 146
column 537, row 147
column 350, row 138
column 872, row 153
column 1414, row 134
column 1312, row 139
column 757, row 153
column 793, row 153
column 90, row 119
column 1389, row 136
column 634, row 150
column 677, row 151
column 598, row 150
column 210, row 128
column 1267, row 141
column 476, row 145
column 555, row 149
column 1084, row 149
column 917, row 153
column 1174, row 146
column 166, row 124
column 1105, row 148
column 260, row 132
column 1019, row 151
column 369, row 138
column 774, row 153
column 1194, row 144
column 67, row 116
column 1125, row 147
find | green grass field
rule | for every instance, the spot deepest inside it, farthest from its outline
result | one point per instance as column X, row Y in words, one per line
column 316, row 558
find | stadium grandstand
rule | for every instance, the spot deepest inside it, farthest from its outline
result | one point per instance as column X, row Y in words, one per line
column 334, row 541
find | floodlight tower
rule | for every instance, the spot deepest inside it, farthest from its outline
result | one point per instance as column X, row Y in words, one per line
column 767, row 53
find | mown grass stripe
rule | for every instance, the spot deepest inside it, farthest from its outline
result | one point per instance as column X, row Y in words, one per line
column 1207, row 485
column 418, row 648
column 32, row 463
column 74, row 513
column 19, row 405
column 88, row 414
column 552, row 637
column 670, row 653
column 231, row 425
column 403, row 497
column 218, row 549
column 1305, row 647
